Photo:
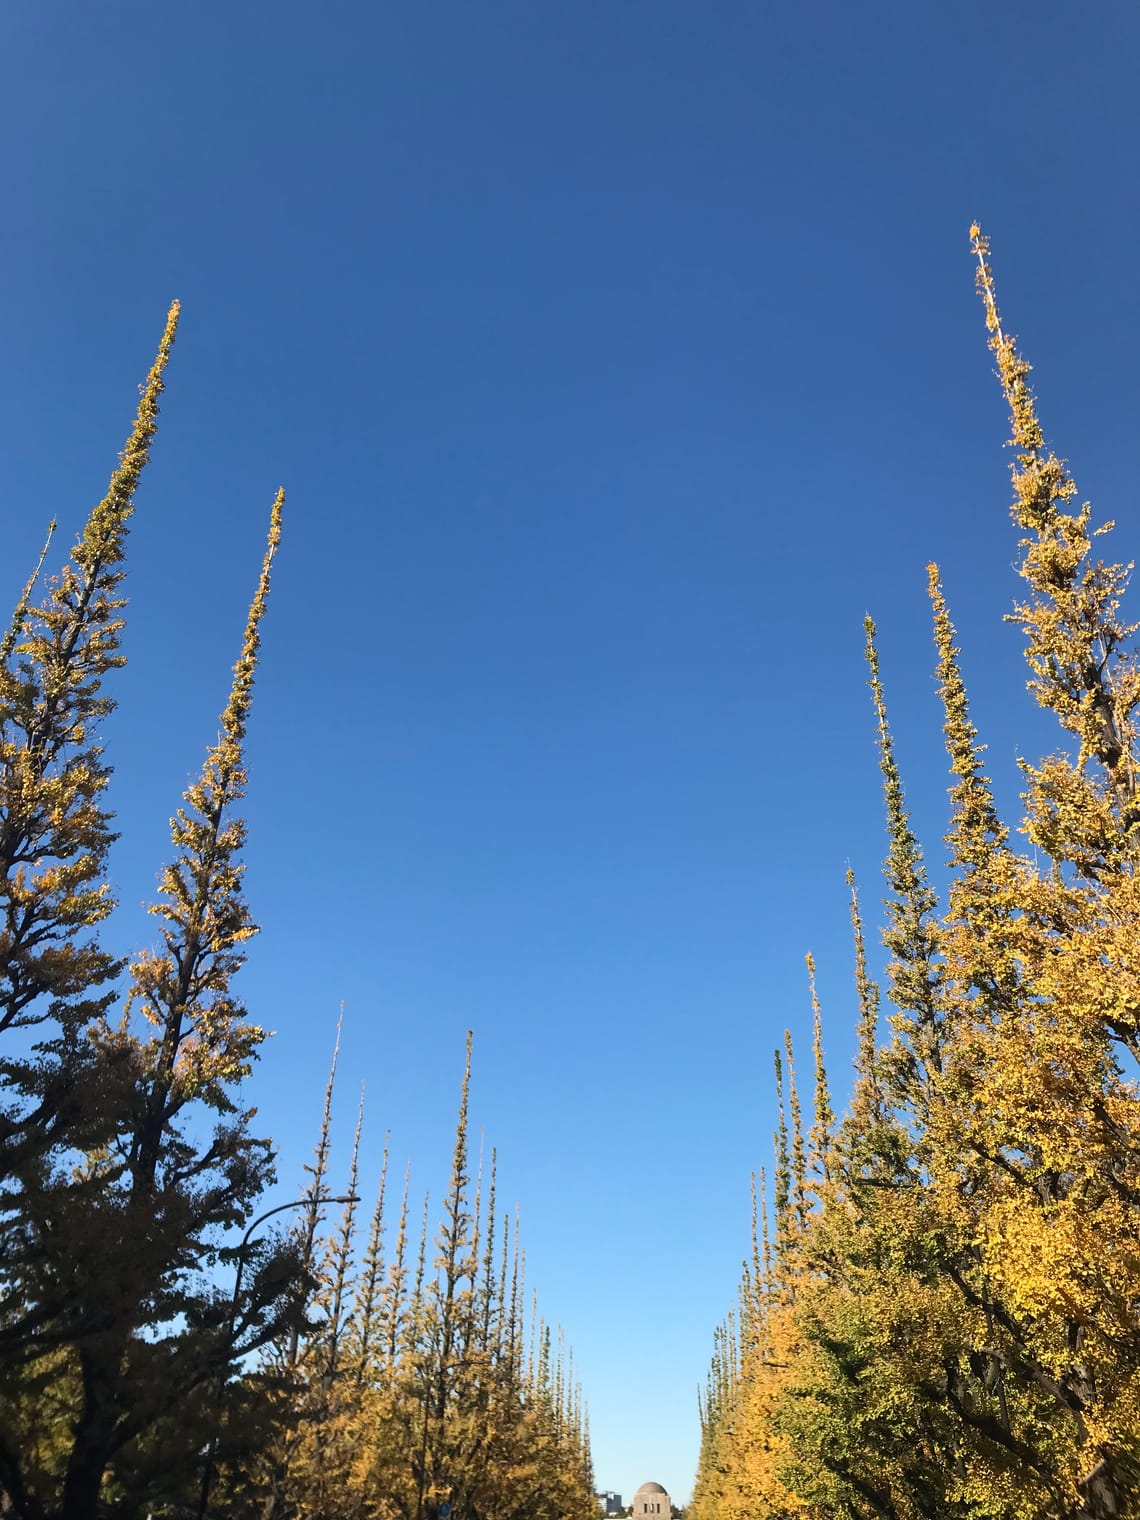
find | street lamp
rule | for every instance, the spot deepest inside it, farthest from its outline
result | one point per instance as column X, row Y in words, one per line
column 211, row 1453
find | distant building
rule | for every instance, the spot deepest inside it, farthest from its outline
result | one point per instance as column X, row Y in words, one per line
column 609, row 1503
column 651, row 1502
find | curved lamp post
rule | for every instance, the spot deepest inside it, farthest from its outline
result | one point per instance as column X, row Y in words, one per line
column 296, row 1203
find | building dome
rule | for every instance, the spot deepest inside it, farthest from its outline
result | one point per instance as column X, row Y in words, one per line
column 651, row 1502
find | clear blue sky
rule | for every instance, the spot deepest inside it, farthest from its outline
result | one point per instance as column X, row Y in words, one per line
column 616, row 357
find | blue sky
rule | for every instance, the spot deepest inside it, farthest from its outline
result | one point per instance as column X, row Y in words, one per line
column 616, row 358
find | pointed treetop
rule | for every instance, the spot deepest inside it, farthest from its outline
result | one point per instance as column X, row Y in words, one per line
column 1077, row 644
column 911, row 933
column 392, row 1309
column 370, row 1283
column 319, row 1168
column 8, row 643
column 237, row 709
column 421, row 1257
column 783, row 1172
column 1013, row 370
column 905, row 869
column 867, row 1099
column 799, row 1152
column 757, row 1263
column 340, row 1253
column 77, row 638
column 206, row 1044
column 491, row 1287
column 823, row 1122
column 976, row 831
column 765, row 1242
column 101, row 542
column 453, row 1237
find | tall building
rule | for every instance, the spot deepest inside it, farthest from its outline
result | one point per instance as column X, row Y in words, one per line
column 609, row 1503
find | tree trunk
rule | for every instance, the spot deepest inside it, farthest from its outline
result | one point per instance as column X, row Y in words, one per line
column 1101, row 1494
column 94, row 1432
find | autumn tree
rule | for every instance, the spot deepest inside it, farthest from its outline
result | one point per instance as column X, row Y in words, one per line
column 116, row 1207
column 964, row 1338
column 415, row 1386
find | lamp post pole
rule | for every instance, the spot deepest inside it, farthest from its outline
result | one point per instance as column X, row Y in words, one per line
column 211, row 1453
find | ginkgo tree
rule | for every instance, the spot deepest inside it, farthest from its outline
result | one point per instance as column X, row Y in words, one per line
column 115, row 1204
column 427, row 1384
column 160, row 1351
column 959, row 1310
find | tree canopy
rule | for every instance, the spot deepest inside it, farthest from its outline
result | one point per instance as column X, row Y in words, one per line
column 161, row 1353
column 946, row 1321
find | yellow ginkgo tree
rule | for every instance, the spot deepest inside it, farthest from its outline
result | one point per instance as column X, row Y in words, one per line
column 965, row 1333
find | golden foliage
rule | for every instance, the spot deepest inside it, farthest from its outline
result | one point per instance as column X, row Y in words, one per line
column 954, row 1328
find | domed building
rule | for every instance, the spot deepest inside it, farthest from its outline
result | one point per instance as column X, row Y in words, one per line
column 651, row 1502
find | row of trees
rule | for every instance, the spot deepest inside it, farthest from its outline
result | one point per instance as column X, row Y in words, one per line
column 943, row 1317
column 417, row 1387
column 134, row 1379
